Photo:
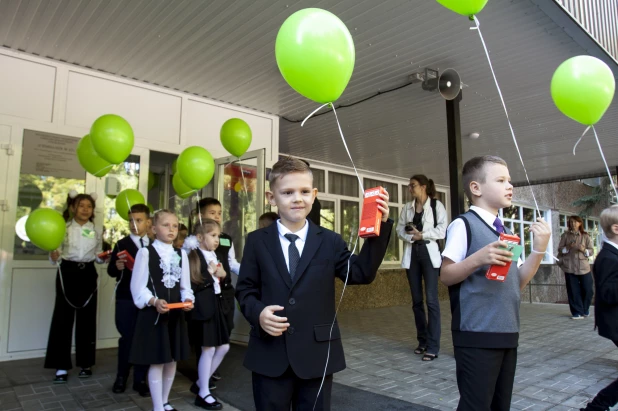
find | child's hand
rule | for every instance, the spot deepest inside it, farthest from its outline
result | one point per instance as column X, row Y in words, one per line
column 492, row 254
column 383, row 206
column 161, row 306
column 542, row 233
column 120, row 264
column 220, row 273
column 271, row 323
column 54, row 255
column 189, row 308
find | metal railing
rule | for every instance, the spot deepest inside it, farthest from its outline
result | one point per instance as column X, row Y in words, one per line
column 599, row 18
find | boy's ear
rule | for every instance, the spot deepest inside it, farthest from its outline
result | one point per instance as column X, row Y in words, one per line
column 315, row 194
column 475, row 189
column 271, row 198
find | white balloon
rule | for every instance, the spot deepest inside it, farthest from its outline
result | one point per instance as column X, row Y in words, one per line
column 20, row 228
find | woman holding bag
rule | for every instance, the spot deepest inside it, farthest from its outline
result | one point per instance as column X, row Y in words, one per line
column 574, row 249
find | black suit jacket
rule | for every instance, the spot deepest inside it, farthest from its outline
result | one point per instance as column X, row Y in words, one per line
column 123, row 292
column 605, row 273
column 309, row 299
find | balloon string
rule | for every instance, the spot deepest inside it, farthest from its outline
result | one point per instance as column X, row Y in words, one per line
column 313, row 112
column 345, row 283
column 478, row 28
column 244, row 184
column 580, row 139
column 609, row 174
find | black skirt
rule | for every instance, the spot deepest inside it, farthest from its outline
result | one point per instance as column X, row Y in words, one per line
column 213, row 332
column 162, row 343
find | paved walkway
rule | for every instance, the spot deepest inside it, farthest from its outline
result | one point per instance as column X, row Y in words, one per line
column 562, row 364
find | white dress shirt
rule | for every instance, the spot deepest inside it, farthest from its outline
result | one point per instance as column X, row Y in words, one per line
column 211, row 257
column 136, row 239
column 285, row 243
column 456, row 249
column 231, row 259
column 81, row 243
column 141, row 274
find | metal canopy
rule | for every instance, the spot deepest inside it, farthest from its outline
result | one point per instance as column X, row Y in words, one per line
column 224, row 50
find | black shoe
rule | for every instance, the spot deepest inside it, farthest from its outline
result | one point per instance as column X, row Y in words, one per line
column 61, row 379
column 120, row 385
column 201, row 402
column 168, row 404
column 142, row 389
column 212, row 384
column 195, row 389
column 85, row 373
column 216, row 376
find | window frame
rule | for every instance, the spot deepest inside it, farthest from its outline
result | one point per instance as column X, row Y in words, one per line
column 547, row 215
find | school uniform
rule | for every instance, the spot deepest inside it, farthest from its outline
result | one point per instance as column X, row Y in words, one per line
column 160, row 271
column 485, row 317
column 76, row 299
column 126, row 311
column 227, row 256
column 300, row 276
column 605, row 273
column 210, row 325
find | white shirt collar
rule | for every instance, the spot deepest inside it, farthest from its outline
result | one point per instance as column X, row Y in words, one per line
column 75, row 224
column 136, row 239
column 302, row 233
column 209, row 256
column 488, row 217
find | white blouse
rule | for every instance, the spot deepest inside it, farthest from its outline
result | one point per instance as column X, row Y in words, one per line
column 141, row 274
column 211, row 257
column 82, row 243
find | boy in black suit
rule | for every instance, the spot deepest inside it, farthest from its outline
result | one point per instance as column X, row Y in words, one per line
column 605, row 274
column 126, row 311
column 286, row 290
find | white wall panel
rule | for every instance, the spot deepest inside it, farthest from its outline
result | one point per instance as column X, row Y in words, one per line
column 154, row 115
column 204, row 121
column 27, row 88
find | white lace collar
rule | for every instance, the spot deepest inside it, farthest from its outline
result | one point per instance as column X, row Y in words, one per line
column 170, row 263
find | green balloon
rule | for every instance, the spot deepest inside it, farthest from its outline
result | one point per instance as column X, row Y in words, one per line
column 90, row 160
column 151, row 208
column 315, row 54
column 236, row 136
column 127, row 199
column 46, row 228
column 196, row 167
column 112, row 138
column 175, row 166
column 464, row 7
column 583, row 88
column 152, row 180
column 182, row 190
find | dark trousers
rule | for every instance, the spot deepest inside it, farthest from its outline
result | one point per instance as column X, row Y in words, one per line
column 427, row 327
column 485, row 378
column 279, row 393
column 606, row 398
column 80, row 281
column 579, row 290
column 126, row 317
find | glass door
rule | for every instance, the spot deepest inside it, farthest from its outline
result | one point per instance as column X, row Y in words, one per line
column 239, row 186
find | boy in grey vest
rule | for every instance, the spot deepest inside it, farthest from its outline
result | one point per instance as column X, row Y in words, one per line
column 485, row 313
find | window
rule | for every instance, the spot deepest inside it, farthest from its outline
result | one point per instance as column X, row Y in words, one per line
column 350, row 217
column 120, row 177
column 343, row 184
column 319, row 179
column 327, row 214
column 49, row 170
column 392, row 252
column 519, row 219
column 393, row 192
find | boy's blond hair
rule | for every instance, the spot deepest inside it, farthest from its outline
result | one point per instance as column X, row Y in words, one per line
column 474, row 170
column 609, row 217
column 285, row 166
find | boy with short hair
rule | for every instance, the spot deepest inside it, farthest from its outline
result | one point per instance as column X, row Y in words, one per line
column 605, row 274
column 485, row 313
column 126, row 311
column 267, row 219
column 286, row 291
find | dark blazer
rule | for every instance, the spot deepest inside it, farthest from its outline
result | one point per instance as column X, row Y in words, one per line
column 309, row 299
column 605, row 273
column 123, row 292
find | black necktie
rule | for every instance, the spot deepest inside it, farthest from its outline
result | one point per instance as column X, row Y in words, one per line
column 293, row 254
column 141, row 242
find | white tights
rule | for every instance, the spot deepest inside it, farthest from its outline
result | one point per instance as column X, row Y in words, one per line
column 210, row 360
column 160, row 379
